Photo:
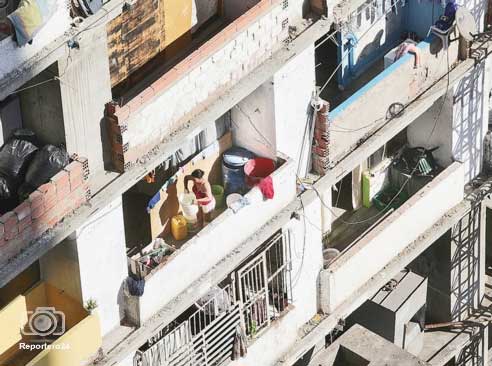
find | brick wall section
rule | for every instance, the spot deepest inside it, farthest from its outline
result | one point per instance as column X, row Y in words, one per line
column 186, row 89
column 44, row 208
column 321, row 141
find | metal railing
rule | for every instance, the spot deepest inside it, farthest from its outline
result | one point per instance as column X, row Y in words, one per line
column 265, row 285
column 255, row 295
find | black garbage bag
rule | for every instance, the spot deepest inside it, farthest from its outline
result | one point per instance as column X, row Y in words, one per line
column 24, row 134
column 8, row 198
column 15, row 157
column 47, row 161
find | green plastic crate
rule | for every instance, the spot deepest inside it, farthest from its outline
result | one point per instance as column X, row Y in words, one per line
column 383, row 198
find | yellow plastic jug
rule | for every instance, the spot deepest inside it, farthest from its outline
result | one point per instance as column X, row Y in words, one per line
column 179, row 228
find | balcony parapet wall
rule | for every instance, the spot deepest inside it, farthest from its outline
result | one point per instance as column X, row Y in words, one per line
column 166, row 105
column 44, row 209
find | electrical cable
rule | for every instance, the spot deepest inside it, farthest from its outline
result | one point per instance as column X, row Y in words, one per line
column 411, row 173
column 297, row 276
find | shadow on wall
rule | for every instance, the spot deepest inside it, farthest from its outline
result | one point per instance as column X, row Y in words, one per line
column 465, row 265
column 468, row 122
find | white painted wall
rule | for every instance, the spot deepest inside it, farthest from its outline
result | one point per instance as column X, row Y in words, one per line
column 103, row 263
column 294, row 85
column 214, row 242
column 434, row 129
column 253, row 122
column 307, row 262
column 368, row 256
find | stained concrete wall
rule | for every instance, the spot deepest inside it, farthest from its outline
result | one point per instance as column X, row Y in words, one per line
column 41, row 107
column 274, row 117
column 364, row 259
column 60, row 268
column 253, row 122
column 213, row 243
column 307, row 262
column 433, row 129
column 103, row 263
column 85, row 88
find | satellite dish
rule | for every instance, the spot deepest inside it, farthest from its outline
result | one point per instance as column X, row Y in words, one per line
column 466, row 23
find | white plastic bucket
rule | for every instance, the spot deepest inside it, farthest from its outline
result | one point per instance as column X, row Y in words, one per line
column 329, row 255
column 187, row 202
column 191, row 223
column 233, row 197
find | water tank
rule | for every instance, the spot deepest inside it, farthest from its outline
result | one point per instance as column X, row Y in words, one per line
column 233, row 162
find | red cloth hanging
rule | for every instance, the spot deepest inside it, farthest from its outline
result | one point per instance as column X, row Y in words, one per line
column 266, row 187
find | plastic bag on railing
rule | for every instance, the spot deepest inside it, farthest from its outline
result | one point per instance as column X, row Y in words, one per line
column 48, row 161
column 15, row 157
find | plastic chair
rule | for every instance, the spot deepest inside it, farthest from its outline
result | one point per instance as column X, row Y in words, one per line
column 442, row 34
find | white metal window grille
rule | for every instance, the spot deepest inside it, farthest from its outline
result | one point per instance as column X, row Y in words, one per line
column 204, row 339
column 257, row 294
column 265, row 286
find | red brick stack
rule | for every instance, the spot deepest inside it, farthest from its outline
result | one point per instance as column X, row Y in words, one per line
column 45, row 207
column 321, row 140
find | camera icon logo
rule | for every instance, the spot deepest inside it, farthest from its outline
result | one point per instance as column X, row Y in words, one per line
column 44, row 322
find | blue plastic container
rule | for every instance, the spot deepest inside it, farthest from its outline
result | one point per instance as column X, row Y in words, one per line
column 233, row 162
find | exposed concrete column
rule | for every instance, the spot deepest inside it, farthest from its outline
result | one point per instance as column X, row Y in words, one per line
column 467, row 264
column 293, row 86
column 85, row 87
column 103, row 263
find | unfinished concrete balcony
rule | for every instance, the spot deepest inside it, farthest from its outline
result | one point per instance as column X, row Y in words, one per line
column 372, row 102
column 44, row 208
column 367, row 239
column 203, row 248
column 72, row 334
column 156, row 94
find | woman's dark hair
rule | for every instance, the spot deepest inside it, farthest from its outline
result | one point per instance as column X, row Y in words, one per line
column 198, row 173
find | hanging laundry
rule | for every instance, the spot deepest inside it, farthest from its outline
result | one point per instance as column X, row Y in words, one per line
column 135, row 287
column 266, row 188
column 405, row 48
column 240, row 346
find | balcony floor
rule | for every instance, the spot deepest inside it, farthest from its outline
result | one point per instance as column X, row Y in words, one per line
column 169, row 239
column 345, row 234
column 333, row 94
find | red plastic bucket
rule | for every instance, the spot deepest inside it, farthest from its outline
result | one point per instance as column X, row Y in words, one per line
column 257, row 169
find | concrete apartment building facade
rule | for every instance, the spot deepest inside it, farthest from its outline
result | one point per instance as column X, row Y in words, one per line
column 328, row 271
